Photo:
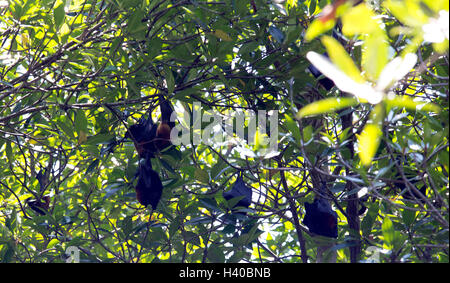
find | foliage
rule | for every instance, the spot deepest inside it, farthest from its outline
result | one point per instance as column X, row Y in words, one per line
column 75, row 74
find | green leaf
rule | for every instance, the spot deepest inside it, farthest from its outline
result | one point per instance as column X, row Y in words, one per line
column 215, row 254
column 292, row 126
column 58, row 13
column 341, row 59
column 318, row 27
column 154, row 47
column 404, row 101
column 308, row 133
column 202, row 176
column 234, row 201
column 376, row 53
column 369, row 219
column 209, row 203
column 326, row 106
column 135, row 23
column 174, row 226
column 81, row 121
column 100, row 138
column 359, row 20
column 92, row 166
column 127, row 225
column 52, row 243
column 169, row 80
column 388, row 230
column 64, row 125
column 392, row 238
column 114, row 46
column 8, row 151
column 236, row 257
column 312, row 7
column 191, row 237
column 408, row 216
column 368, row 143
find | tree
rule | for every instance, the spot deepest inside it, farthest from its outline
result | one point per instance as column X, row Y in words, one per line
column 75, row 75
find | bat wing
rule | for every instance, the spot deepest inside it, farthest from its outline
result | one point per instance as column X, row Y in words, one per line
column 243, row 190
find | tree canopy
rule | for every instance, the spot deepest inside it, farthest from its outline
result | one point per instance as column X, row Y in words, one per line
column 75, row 75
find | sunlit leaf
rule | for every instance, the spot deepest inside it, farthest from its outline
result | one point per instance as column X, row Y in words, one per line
column 318, row 27
column 307, row 133
column 292, row 127
column 376, row 56
column 261, row 140
column 291, row 4
column 341, row 59
column 404, row 101
column 368, row 142
column 408, row 12
column 359, row 20
column 388, row 230
column 326, row 105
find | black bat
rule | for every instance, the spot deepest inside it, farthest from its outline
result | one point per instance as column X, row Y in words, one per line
column 149, row 186
column 240, row 189
column 320, row 218
column 143, row 135
column 149, row 137
column 40, row 205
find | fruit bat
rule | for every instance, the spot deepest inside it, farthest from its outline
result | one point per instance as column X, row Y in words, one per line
column 149, row 186
column 320, row 218
column 149, row 137
column 165, row 126
column 39, row 205
column 240, row 189
column 143, row 135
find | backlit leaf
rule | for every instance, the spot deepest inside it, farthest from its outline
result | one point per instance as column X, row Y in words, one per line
column 359, row 20
column 317, row 27
column 368, row 143
column 404, row 101
column 326, row 105
column 388, row 230
column 341, row 59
